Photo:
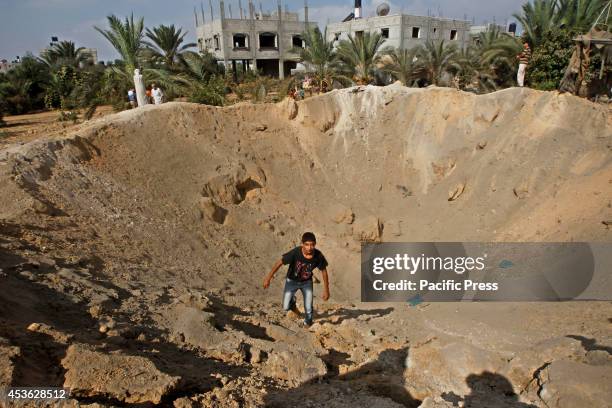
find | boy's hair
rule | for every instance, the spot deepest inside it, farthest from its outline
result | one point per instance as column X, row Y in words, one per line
column 309, row 237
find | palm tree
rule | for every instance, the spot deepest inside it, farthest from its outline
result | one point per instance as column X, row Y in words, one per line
column 496, row 64
column 401, row 64
column 537, row 18
column 65, row 53
column 127, row 38
column 200, row 67
column 360, row 54
column 437, row 59
column 202, row 79
column 578, row 14
column 166, row 44
column 320, row 55
column 22, row 88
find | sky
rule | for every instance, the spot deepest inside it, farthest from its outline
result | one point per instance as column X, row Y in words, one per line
column 27, row 25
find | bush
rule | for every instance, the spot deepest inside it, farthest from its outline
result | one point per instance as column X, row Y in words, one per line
column 550, row 59
column 211, row 92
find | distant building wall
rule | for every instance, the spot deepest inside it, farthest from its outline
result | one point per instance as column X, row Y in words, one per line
column 264, row 37
column 404, row 30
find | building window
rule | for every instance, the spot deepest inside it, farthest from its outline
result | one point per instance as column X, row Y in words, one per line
column 267, row 40
column 217, row 43
column 384, row 32
column 453, row 35
column 297, row 42
column 358, row 34
column 240, row 40
column 337, row 36
column 435, row 32
column 416, row 32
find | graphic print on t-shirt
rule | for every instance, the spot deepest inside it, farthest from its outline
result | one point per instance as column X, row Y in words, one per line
column 303, row 270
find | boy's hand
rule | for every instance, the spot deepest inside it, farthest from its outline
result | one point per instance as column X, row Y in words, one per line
column 266, row 282
column 326, row 294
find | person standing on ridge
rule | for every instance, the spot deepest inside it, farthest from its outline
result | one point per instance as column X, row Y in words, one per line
column 132, row 98
column 302, row 261
column 158, row 95
column 523, row 58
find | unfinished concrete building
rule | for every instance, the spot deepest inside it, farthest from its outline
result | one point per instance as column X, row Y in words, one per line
column 263, row 42
column 403, row 31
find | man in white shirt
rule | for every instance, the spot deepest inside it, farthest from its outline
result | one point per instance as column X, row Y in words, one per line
column 158, row 95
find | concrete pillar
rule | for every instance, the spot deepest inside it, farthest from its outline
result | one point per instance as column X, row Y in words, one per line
column 253, row 40
column 279, row 36
column 139, row 87
column 223, row 44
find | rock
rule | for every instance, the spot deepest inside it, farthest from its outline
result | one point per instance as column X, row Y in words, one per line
column 598, row 357
column 367, row 229
column 182, row 403
column 443, row 366
column 522, row 368
column 130, row 379
column 212, row 211
column 8, row 353
column 257, row 356
column 261, row 127
column 55, row 334
column 573, row 384
column 456, row 192
column 295, row 366
column 197, row 326
column 34, row 327
column 521, row 191
column 196, row 300
column 232, row 186
column 343, row 215
column 430, row 402
column 227, row 254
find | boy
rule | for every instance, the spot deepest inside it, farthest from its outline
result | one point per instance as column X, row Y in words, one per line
column 523, row 58
column 302, row 260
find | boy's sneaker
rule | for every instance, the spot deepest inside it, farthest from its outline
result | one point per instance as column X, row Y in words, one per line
column 307, row 323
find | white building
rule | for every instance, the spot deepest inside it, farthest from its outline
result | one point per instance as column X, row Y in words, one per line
column 402, row 30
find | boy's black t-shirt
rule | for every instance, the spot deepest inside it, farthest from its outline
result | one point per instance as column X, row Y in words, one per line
column 300, row 268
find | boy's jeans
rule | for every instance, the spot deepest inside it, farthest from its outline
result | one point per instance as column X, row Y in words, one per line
column 291, row 287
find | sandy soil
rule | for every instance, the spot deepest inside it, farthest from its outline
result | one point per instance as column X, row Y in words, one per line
column 25, row 128
column 141, row 240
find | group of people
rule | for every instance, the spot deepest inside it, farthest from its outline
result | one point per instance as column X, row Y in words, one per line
column 154, row 95
column 308, row 85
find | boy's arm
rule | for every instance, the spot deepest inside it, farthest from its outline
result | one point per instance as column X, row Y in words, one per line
column 270, row 275
column 325, row 284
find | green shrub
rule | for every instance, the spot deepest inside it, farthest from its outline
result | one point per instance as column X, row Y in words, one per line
column 550, row 59
column 211, row 92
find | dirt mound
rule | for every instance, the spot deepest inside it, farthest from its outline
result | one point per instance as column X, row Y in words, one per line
column 146, row 235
